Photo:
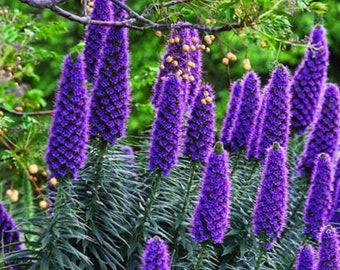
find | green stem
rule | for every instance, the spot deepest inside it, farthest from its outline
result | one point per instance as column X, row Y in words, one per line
column 201, row 255
column 236, row 163
column 259, row 259
column 154, row 194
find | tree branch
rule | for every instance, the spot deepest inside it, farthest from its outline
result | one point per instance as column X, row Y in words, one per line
column 15, row 113
column 42, row 3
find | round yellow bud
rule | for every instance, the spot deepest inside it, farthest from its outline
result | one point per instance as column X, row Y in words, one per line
column 18, row 58
column 232, row 57
column 163, row 78
column 9, row 192
column 185, row 77
column 33, row 168
column 176, row 39
column 169, row 59
column 171, row 40
column 191, row 78
column 161, row 66
column 191, row 64
column 53, row 182
column 203, row 102
column 43, row 204
column 212, row 37
column 193, row 48
column 225, row 61
column 213, row 21
column 194, row 39
column 246, row 64
column 158, row 33
column 179, row 72
column 207, row 40
column 206, row 93
column 208, row 99
column 263, row 44
column 175, row 63
column 14, row 198
column 208, row 21
column 185, row 48
column 207, row 50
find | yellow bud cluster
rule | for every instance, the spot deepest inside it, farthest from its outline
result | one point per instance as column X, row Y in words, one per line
column 207, row 98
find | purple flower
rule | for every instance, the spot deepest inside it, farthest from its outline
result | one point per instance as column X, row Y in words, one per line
column 66, row 145
column 166, row 132
column 8, row 232
column 111, row 94
column 156, row 255
column 308, row 81
column 325, row 132
column 95, row 37
column 228, row 122
column 329, row 256
column 270, row 209
column 275, row 127
column 211, row 215
column 318, row 203
column 248, row 108
column 305, row 259
column 200, row 135
column 335, row 214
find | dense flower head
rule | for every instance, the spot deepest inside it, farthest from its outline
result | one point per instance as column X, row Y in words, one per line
column 270, row 209
column 166, row 132
column 319, row 200
column 308, row 81
column 156, row 255
column 335, row 214
column 66, row 145
column 247, row 111
column 9, row 233
column 276, row 118
column 95, row 37
column 229, row 119
column 328, row 254
column 305, row 259
column 111, row 94
column 211, row 215
column 324, row 136
column 175, row 60
column 200, row 135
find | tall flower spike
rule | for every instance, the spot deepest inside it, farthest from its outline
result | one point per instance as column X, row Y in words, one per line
column 229, row 120
column 248, row 108
column 308, row 81
column 335, row 215
column 211, row 215
column 276, row 119
column 66, row 145
column 111, row 94
column 8, row 232
column 318, row 203
column 156, row 255
column 95, row 37
column 200, row 135
column 305, row 259
column 329, row 256
column 324, row 136
column 166, row 132
column 270, row 209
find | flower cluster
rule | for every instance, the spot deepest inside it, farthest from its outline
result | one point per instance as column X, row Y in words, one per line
column 329, row 256
column 111, row 94
column 306, row 258
column 200, row 135
column 270, row 209
column 95, row 37
column 248, row 109
column 325, row 132
column 228, row 122
column 156, row 255
column 275, row 126
column 308, row 81
column 69, row 129
column 211, row 216
column 166, row 132
column 335, row 215
column 319, row 200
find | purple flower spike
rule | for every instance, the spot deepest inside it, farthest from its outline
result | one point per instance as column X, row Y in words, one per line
column 211, row 215
column 276, row 118
column 200, row 135
column 319, row 200
column 305, row 259
column 228, row 122
column 248, row 108
column 324, row 136
column 95, row 37
column 270, row 209
column 335, row 215
column 308, row 81
column 329, row 256
column 66, row 145
column 8, row 232
column 111, row 94
column 166, row 132
column 156, row 255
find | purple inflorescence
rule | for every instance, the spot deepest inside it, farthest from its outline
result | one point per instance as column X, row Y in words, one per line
column 319, row 200
column 156, row 255
column 200, row 135
column 276, row 118
column 328, row 253
column 308, row 81
column 211, row 215
column 324, row 136
column 166, row 132
column 95, row 37
column 228, row 122
column 111, row 94
column 305, row 259
column 9, row 234
column 335, row 214
column 270, row 209
column 247, row 111
column 69, row 129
